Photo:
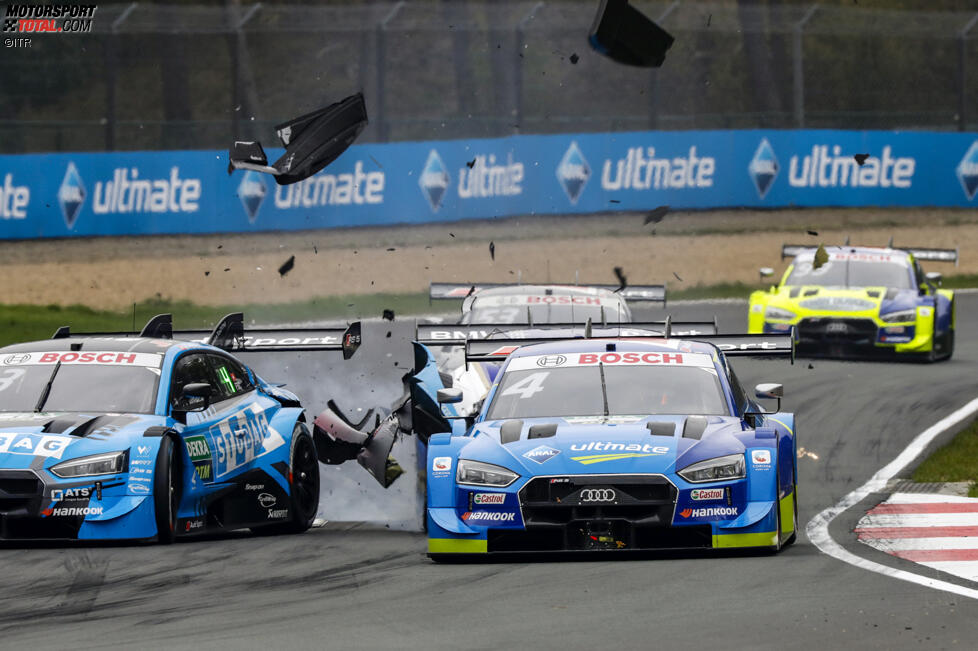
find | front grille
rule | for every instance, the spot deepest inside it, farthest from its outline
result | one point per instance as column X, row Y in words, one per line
column 20, row 484
column 599, row 512
column 830, row 329
column 12, row 528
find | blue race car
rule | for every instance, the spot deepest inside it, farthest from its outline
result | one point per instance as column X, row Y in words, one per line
column 116, row 436
column 612, row 444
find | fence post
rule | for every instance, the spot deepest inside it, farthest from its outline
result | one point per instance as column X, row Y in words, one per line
column 237, row 84
column 799, row 65
column 963, row 73
column 111, row 67
column 518, row 62
column 654, row 75
column 383, row 128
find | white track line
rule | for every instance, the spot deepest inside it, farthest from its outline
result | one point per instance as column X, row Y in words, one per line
column 818, row 528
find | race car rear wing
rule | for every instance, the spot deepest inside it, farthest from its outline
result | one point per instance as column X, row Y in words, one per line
column 631, row 293
column 457, row 334
column 230, row 335
column 497, row 350
column 934, row 255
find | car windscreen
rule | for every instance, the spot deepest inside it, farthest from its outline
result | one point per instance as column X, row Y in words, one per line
column 632, row 390
column 545, row 313
column 80, row 386
column 851, row 273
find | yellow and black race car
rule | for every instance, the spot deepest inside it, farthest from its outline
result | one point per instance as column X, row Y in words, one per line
column 859, row 302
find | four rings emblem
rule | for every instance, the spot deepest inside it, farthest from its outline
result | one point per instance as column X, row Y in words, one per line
column 598, row 495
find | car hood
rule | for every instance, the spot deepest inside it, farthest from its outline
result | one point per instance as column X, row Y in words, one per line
column 616, row 445
column 41, row 440
column 877, row 300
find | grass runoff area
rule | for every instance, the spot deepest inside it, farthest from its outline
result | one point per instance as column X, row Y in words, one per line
column 29, row 322
column 956, row 461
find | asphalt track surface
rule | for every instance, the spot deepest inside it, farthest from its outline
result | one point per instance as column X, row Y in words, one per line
column 349, row 587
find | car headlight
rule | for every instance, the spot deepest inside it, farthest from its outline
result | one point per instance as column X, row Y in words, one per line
column 719, row 469
column 97, row 464
column 899, row 317
column 778, row 313
column 477, row 473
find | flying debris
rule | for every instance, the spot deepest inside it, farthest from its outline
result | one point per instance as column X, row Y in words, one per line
column 821, row 257
column 624, row 34
column 311, row 142
column 622, row 281
column 287, row 266
column 656, row 215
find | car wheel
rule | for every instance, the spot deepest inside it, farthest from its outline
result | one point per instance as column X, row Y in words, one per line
column 166, row 491
column 303, row 484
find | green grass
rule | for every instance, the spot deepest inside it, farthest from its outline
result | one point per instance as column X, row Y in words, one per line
column 960, row 281
column 956, row 461
column 29, row 322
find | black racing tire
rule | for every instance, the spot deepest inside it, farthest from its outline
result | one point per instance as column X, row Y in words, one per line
column 794, row 503
column 166, row 491
column 949, row 346
column 303, row 484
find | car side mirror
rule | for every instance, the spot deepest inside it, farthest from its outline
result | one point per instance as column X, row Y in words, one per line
column 768, row 391
column 449, row 396
column 195, row 396
column 934, row 277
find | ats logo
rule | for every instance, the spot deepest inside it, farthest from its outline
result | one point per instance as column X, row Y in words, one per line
column 968, row 171
column 252, row 191
column 573, row 172
column 71, row 195
column 434, row 180
column 763, row 168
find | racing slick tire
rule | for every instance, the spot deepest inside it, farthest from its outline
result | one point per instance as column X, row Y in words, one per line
column 303, row 484
column 166, row 491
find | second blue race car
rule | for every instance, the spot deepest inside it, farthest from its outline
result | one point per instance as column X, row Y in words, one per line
column 115, row 436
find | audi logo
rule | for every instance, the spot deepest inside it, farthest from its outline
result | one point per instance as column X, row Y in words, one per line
column 598, row 495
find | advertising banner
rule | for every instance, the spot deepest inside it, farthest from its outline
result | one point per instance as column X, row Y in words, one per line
column 144, row 193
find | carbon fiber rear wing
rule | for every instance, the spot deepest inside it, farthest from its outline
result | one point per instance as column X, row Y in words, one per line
column 934, row 255
column 230, row 335
column 457, row 334
column 737, row 345
column 631, row 293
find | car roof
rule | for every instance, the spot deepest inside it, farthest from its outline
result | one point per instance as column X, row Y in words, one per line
column 107, row 343
column 621, row 345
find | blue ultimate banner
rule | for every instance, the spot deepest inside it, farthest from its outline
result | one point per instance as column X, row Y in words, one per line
column 143, row 193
